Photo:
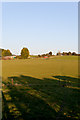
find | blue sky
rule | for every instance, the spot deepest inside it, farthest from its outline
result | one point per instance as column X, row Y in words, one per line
column 40, row 26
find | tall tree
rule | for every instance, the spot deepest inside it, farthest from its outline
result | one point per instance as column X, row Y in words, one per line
column 24, row 53
column 6, row 52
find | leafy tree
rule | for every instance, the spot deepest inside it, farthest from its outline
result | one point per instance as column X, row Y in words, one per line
column 39, row 55
column 6, row 52
column 1, row 50
column 43, row 55
column 47, row 54
column 64, row 53
column 50, row 53
column 69, row 53
column 59, row 53
column 73, row 53
column 24, row 53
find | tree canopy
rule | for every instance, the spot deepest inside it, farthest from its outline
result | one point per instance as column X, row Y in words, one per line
column 50, row 53
column 6, row 52
column 24, row 53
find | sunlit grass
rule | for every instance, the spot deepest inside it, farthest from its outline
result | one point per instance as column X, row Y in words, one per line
column 41, row 88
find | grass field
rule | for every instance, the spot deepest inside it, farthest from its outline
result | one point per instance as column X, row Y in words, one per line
column 42, row 89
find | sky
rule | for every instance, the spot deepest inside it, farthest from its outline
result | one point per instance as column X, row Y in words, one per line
column 40, row 26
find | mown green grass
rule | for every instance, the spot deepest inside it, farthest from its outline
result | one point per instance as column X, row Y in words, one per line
column 43, row 88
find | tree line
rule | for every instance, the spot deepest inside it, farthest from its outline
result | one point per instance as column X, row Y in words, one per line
column 47, row 54
column 25, row 53
column 59, row 54
column 67, row 53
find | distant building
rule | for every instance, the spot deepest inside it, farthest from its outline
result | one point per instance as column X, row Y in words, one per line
column 9, row 57
column 45, row 56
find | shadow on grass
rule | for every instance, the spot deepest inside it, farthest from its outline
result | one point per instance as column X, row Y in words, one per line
column 32, row 98
column 68, row 79
column 6, row 114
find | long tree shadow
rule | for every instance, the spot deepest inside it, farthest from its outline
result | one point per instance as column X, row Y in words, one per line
column 6, row 114
column 26, row 106
column 40, row 98
column 69, row 80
